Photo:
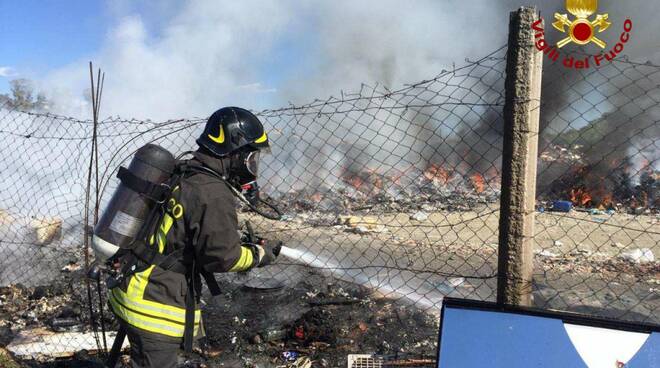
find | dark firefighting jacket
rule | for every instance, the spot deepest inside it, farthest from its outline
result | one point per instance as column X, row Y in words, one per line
column 201, row 213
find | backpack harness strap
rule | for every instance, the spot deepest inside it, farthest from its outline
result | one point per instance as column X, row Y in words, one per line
column 181, row 260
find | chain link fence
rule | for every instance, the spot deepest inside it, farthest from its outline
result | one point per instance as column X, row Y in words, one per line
column 390, row 201
column 599, row 151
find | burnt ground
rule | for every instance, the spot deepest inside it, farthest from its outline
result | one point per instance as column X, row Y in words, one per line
column 257, row 319
column 319, row 317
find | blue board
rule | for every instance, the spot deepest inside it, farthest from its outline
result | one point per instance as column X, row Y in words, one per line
column 478, row 335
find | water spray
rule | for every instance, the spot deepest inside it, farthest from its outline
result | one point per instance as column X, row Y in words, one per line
column 357, row 276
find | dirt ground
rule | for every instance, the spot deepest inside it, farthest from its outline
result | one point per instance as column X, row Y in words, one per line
column 582, row 258
column 374, row 283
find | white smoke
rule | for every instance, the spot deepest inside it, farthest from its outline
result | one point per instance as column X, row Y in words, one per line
column 261, row 54
column 171, row 60
column 203, row 57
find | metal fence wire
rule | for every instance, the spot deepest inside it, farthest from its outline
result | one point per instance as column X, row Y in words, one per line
column 599, row 150
column 391, row 202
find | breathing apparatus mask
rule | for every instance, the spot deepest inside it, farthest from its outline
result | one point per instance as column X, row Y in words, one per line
column 242, row 178
column 243, row 172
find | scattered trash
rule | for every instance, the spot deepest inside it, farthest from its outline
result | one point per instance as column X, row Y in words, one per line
column 40, row 342
column 287, row 217
column 72, row 267
column 301, row 362
column 46, row 230
column 290, row 355
column 642, row 255
column 365, row 229
column 299, row 333
column 361, row 224
column 562, row 206
column 355, row 221
column 273, row 334
column 419, row 216
column 66, row 325
column 541, row 209
column 364, row 360
column 545, row 253
column 558, row 243
column 395, row 360
column 568, row 155
column 427, row 207
column 583, row 251
column 595, row 211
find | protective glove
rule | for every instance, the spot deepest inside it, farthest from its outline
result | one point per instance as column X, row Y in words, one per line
column 267, row 251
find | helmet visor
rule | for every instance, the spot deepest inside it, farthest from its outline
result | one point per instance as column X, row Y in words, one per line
column 252, row 163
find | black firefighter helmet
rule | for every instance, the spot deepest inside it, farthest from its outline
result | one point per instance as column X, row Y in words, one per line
column 230, row 129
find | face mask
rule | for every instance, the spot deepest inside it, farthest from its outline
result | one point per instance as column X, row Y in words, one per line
column 244, row 168
column 244, row 171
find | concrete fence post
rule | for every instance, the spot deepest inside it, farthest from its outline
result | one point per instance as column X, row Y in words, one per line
column 521, row 128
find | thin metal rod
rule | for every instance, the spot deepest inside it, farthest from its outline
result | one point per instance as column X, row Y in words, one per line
column 86, row 229
column 96, row 147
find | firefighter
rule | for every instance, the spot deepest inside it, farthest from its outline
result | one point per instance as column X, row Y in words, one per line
column 158, row 306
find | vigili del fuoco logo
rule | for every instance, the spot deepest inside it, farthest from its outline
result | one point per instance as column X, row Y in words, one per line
column 581, row 29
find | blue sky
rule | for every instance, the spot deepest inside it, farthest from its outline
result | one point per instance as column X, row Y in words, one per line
column 38, row 36
column 40, row 39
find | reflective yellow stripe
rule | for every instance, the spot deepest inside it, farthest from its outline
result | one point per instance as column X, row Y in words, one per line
column 244, row 261
column 220, row 138
column 146, row 314
column 261, row 139
column 152, row 308
column 163, row 230
column 139, row 283
column 147, row 323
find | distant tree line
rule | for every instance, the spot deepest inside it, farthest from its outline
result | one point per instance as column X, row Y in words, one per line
column 23, row 97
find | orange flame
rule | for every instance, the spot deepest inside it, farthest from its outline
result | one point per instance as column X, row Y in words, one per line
column 580, row 196
column 478, row 182
column 437, row 173
column 607, row 200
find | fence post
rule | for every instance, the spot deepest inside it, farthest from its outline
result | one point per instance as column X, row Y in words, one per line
column 521, row 127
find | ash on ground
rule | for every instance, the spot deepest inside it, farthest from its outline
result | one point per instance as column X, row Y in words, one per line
column 319, row 317
column 255, row 322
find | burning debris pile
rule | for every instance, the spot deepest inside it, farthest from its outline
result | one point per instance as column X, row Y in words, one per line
column 396, row 191
column 606, row 183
